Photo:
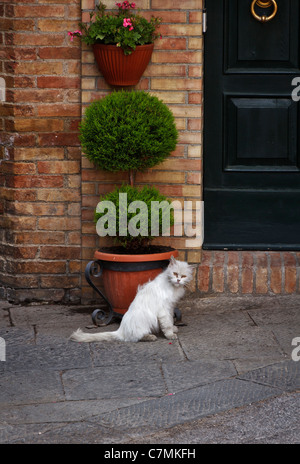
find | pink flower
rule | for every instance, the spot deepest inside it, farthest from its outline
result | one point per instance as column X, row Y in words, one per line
column 127, row 22
column 125, row 5
column 72, row 34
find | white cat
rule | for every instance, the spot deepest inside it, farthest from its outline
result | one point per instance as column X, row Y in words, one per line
column 151, row 310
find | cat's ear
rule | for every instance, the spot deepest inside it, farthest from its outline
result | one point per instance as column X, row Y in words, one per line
column 193, row 266
column 172, row 260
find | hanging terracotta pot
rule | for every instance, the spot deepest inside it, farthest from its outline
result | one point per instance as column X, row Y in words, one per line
column 119, row 69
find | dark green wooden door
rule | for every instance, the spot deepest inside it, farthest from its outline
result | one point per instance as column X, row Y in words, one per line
column 252, row 127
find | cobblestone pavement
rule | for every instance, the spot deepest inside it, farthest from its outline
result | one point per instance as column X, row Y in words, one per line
column 229, row 378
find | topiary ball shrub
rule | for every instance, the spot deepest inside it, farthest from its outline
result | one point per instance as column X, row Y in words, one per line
column 135, row 219
column 128, row 131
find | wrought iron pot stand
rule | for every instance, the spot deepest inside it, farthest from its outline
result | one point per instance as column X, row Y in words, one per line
column 95, row 269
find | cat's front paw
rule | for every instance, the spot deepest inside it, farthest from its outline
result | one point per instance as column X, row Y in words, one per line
column 149, row 338
column 171, row 336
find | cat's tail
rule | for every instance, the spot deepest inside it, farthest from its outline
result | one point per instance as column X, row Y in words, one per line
column 80, row 336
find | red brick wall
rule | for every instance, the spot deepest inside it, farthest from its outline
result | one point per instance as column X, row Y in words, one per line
column 249, row 272
column 40, row 180
column 46, row 213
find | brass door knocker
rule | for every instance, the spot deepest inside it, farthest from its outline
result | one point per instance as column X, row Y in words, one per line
column 264, row 4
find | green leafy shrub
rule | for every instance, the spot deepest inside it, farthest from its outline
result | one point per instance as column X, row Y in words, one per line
column 155, row 211
column 128, row 131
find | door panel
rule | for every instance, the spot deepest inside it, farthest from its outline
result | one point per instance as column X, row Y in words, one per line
column 251, row 132
column 253, row 46
column 273, row 120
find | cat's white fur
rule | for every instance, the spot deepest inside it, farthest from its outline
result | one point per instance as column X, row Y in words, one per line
column 151, row 310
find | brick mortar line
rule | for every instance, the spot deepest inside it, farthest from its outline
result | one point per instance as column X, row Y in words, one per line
column 282, row 274
column 254, row 273
column 297, row 274
column 240, row 282
column 269, row 272
column 211, row 271
column 225, row 271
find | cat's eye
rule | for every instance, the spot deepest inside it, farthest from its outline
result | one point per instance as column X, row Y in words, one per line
column 175, row 274
column 183, row 276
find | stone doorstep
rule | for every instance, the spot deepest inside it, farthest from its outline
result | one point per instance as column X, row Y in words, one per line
column 249, row 272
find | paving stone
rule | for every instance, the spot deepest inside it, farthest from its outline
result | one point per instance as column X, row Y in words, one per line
column 45, row 357
column 206, row 319
column 277, row 314
column 120, row 353
column 275, row 420
column 59, row 433
column 52, row 317
column 4, row 318
column 232, row 343
column 14, row 336
column 185, row 406
column 224, row 333
column 244, row 365
column 185, row 375
column 285, row 375
column 30, row 387
column 5, row 304
column 285, row 324
column 61, row 411
column 130, row 381
column 284, row 336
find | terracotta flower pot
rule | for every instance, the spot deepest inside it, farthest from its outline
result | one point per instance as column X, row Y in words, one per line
column 120, row 69
column 122, row 274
